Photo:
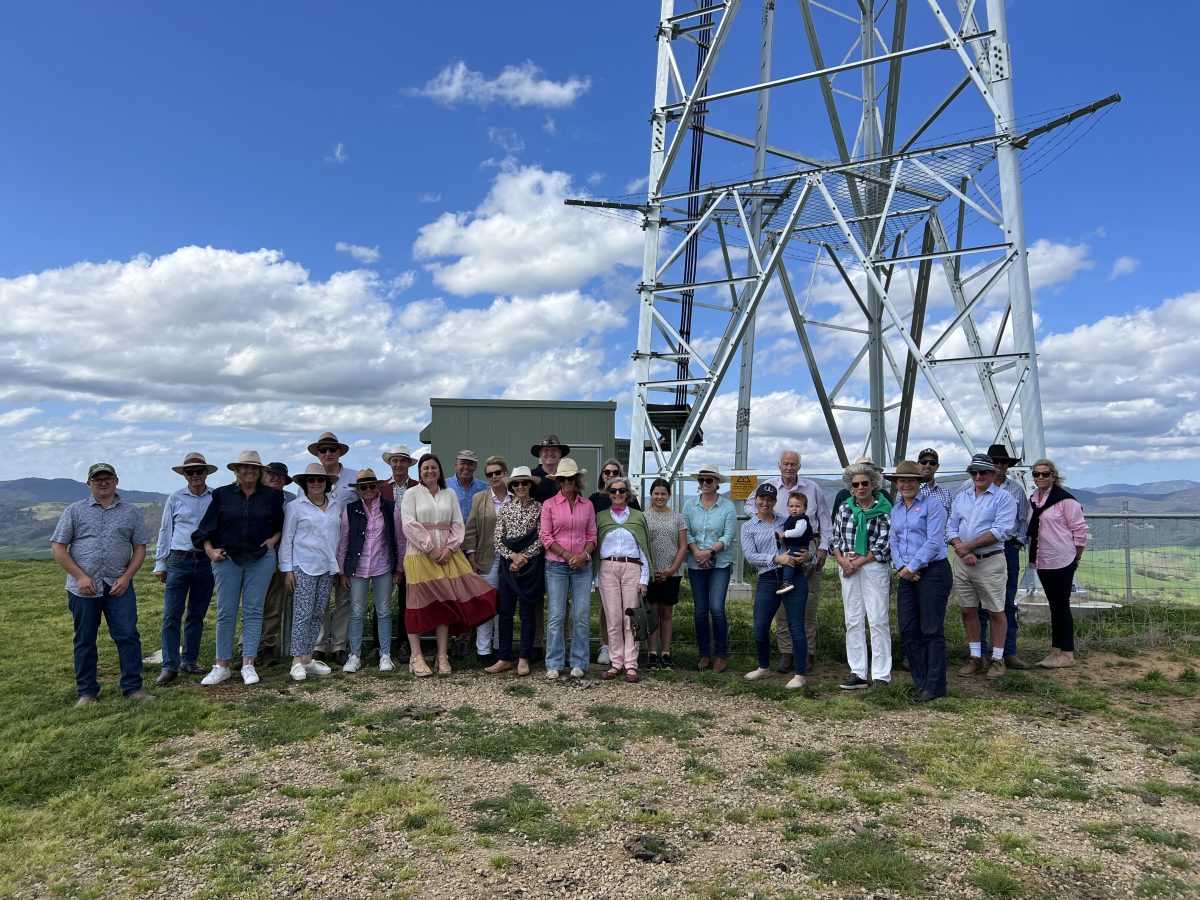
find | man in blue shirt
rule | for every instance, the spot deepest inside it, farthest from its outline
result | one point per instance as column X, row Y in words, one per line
column 980, row 521
column 101, row 543
column 185, row 571
column 464, row 483
column 1013, row 544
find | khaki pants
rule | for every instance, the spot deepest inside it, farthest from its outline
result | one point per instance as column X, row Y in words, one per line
column 335, row 632
column 982, row 584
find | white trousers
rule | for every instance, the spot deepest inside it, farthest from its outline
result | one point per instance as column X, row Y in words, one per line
column 865, row 598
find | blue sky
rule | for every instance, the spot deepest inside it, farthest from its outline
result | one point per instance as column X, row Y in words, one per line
column 238, row 225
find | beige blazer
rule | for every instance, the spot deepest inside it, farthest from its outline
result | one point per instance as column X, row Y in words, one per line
column 481, row 531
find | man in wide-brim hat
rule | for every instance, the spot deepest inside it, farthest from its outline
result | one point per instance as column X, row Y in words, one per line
column 1014, row 542
column 334, row 638
column 185, row 572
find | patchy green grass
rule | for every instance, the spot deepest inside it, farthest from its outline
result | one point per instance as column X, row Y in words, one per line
column 639, row 724
column 1177, row 840
column 867, row 861
column 523, row 811
column 994, row 879
column 1155, row 682
column 983, row 758
column 798, row 762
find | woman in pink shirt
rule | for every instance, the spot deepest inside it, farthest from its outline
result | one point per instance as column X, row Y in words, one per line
column 569, row 536
column 1057, row 536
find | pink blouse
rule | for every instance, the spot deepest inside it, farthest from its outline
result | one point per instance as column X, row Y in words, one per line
column 1061, row 529
column 572, row 527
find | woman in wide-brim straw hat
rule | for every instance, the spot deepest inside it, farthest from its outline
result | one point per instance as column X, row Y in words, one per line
column 444, row 593
column 923, row 578
column 240, row 531
column 308, row 561
column 518, row 546
column 711, row 524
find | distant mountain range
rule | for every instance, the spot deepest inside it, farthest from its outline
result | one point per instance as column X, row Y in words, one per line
column 30, row 507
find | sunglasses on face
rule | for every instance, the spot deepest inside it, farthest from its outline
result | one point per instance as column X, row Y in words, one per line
column 494, row 473
column 520, row 484
column 191, row 473
column 706, row 480
column 319, row 479
column 611, row 472
column 618, row 490
column 561, row 478
column 367, row 487
column 1043, row 474
column 858, row 484
column 981, row 474
column 927, row 462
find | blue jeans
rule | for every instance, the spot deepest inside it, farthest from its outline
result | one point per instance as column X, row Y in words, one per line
column 189, row 583
column 766, row 602
column 559, row 578
column 383, row 611
column 121, row 615
column 246, row 585
column 709, row 588
column 921, row 619
column 1012, row 559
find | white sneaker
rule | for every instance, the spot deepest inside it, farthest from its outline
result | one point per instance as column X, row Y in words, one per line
column 353, row 664
column 385, row 663
column 298, row 672
column 249, row 674
column 551, row 674
column 757, row 674
column 797, row 682
column 216, row 676
column 602, row 658
column 577, row 672
column 316, row 667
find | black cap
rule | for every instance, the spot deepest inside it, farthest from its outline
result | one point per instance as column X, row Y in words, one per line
column 928, row 451
column 277, row 468
column 767, row 490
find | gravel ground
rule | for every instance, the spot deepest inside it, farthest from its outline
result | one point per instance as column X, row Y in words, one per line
column 362, row 811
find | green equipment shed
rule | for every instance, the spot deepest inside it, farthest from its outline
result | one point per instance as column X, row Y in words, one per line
column 509, row 428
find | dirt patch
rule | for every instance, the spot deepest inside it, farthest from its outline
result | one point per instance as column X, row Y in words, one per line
column 519, row 787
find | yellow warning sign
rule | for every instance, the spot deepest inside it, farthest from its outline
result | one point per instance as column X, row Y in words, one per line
column 741, row 487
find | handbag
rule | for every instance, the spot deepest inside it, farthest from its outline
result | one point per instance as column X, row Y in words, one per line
column 642, row 620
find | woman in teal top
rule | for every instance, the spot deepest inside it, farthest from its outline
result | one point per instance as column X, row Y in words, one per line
column 711, row 521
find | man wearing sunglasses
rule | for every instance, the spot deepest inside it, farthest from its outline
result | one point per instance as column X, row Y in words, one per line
column 928, row 463
column 101, row 543
column 981, row 519
column 185, row 571
column 333, row 642
column 789, row 480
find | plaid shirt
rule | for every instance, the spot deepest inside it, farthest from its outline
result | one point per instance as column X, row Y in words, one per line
column 879, row 530
column 933, row 489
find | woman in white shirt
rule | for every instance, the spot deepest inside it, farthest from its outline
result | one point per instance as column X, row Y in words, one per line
column 308, row 561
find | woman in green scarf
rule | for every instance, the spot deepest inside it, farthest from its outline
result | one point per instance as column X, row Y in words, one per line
column 861, row 528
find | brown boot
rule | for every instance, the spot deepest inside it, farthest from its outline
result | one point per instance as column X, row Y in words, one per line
column 704, row 663
column 997, row 669
column 974, row 666
column 720, row 665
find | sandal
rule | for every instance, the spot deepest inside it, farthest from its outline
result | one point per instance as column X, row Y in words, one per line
column 522, row 667
column 444, row 666
column 418, row 667
column 502, row 665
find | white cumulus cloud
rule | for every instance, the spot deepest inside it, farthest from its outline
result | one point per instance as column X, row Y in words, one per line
column 1123, row 265
column 522, row 238
column 358, row 251
column 17, row 416
column 519, row 85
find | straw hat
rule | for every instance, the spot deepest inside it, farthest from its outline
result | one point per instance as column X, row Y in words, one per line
column 191, row 461
column 712, row 471
column 522, row 473
column 301, row 478
column 246, row 458
column 364, row 475
column 567, row 468
column 398, row 450
column 906, row 468
column 326, row 439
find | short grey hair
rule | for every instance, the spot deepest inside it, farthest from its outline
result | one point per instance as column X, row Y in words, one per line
column 875, row 476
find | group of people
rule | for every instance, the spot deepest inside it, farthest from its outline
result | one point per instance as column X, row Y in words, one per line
column 968, row 545
column 464, row 554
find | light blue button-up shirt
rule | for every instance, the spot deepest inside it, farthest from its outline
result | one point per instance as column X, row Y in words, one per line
column 759, row 545
column 707, row 526
column 972, row 514
column 181, row 516
column 466, row 494
column 918, row 535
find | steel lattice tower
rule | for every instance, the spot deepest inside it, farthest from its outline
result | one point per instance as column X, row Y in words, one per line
column 873, row 142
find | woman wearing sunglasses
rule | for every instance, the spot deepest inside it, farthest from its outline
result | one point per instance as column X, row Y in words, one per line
column 600, row 502
column 367, row 554
column 522, row 569
column 711, row 521
column 480, row 543
column 1057, row 536
column 861, row 529
column 623, row 559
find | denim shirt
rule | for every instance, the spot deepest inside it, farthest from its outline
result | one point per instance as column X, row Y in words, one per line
column 707, row 526
column 918, row 534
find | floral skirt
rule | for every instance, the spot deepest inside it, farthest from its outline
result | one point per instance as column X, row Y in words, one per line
column 450, row 595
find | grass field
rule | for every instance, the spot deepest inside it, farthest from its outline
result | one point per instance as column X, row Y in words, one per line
column 1034, row 785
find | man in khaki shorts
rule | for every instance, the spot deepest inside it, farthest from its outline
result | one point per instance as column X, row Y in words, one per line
column 980, row 519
